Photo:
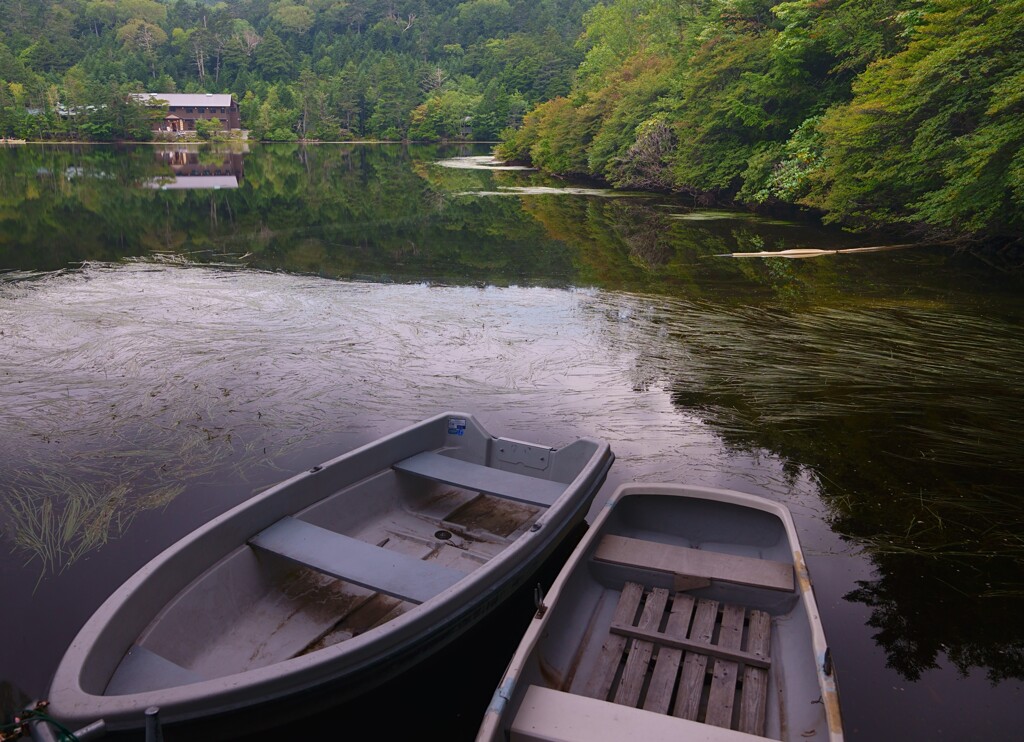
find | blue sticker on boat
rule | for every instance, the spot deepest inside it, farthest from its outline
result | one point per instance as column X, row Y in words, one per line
column 456, row 425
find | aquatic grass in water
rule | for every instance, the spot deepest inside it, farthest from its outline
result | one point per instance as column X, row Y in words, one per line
column 58, row 518
column 111, row 412
column 150, row 378
column 899, row 411
column 153, row 376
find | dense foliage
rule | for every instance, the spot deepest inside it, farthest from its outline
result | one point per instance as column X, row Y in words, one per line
column 877, row 112
column 318, row 69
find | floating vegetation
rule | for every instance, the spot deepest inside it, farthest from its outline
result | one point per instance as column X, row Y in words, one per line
column 899, row 411
column 479, row 162
column 716, row 215
column 801, row 253
column 149, row 377
column 205, row 258
column 15, row 277
column 61, row 500
column 551, row 191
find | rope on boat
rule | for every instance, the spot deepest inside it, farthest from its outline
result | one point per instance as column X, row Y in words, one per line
column 22, row 726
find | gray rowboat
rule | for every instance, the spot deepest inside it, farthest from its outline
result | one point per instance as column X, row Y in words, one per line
column 332, row 581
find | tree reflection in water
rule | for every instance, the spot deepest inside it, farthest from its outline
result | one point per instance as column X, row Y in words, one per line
column 890, row 378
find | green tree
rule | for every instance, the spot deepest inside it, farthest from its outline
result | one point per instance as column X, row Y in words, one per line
column 118, row 115
column 12, row 69
column 935, row 133
column 394, row 93
column 142, row 38
column 272, row 58
column 290, row 18
column 347, row 93
column 446, row 114
column 632, row 97
column 277, row 119
column 483, row 19
column 730, row 101
column 208, row 129
column 150, row 11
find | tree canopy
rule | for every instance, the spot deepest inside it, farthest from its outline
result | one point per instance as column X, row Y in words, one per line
column 876, row 112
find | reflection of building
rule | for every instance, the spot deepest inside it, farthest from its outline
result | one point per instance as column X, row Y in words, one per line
column 184, row 109
column 195, row 168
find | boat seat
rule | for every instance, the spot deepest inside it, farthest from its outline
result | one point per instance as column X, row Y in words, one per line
column 512, row 486
column 355, row 561
column 695, row 563
column 548, row 715
column 143, row 670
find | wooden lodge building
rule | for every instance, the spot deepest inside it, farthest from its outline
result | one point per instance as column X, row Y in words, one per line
column 184, row 109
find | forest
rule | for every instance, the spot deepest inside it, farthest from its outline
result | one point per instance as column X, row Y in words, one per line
column 300, row 69
column 873, row 113
column 876, row 113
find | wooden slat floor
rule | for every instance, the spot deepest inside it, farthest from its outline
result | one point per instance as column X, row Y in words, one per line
column 692, row 658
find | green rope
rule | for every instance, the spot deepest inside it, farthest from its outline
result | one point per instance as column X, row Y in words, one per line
column 66, row 735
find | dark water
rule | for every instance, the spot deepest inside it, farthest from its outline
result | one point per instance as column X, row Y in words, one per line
column 181, row 329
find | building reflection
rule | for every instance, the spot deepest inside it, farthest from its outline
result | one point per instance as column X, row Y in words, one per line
column 195, row 168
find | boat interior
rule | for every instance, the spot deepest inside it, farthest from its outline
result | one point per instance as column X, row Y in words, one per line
column 685, row 604
column 352, row 561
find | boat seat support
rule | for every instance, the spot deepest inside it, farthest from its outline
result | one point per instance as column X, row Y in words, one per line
column 506, row 484
column 355, row 561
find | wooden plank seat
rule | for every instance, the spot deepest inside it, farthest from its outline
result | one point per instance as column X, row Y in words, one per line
column 549, row 715
column 486, row 479
column 355, row 561
column 695, row 563
column 710, row 663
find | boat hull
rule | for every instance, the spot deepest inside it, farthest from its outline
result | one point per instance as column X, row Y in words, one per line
column 223, row 622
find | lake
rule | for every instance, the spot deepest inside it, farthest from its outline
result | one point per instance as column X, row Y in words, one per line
column 183, row 327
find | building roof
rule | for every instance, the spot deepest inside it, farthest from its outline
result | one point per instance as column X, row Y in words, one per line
column 180, row 100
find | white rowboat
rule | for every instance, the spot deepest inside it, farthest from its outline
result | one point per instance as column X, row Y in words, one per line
column 685, row 613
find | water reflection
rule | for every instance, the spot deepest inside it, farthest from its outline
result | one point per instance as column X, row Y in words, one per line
column 898, row 416
column 188, row 349
column 357, row 211
column 195, row 167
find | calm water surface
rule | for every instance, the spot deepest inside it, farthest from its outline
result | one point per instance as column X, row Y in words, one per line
column 180, row 329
